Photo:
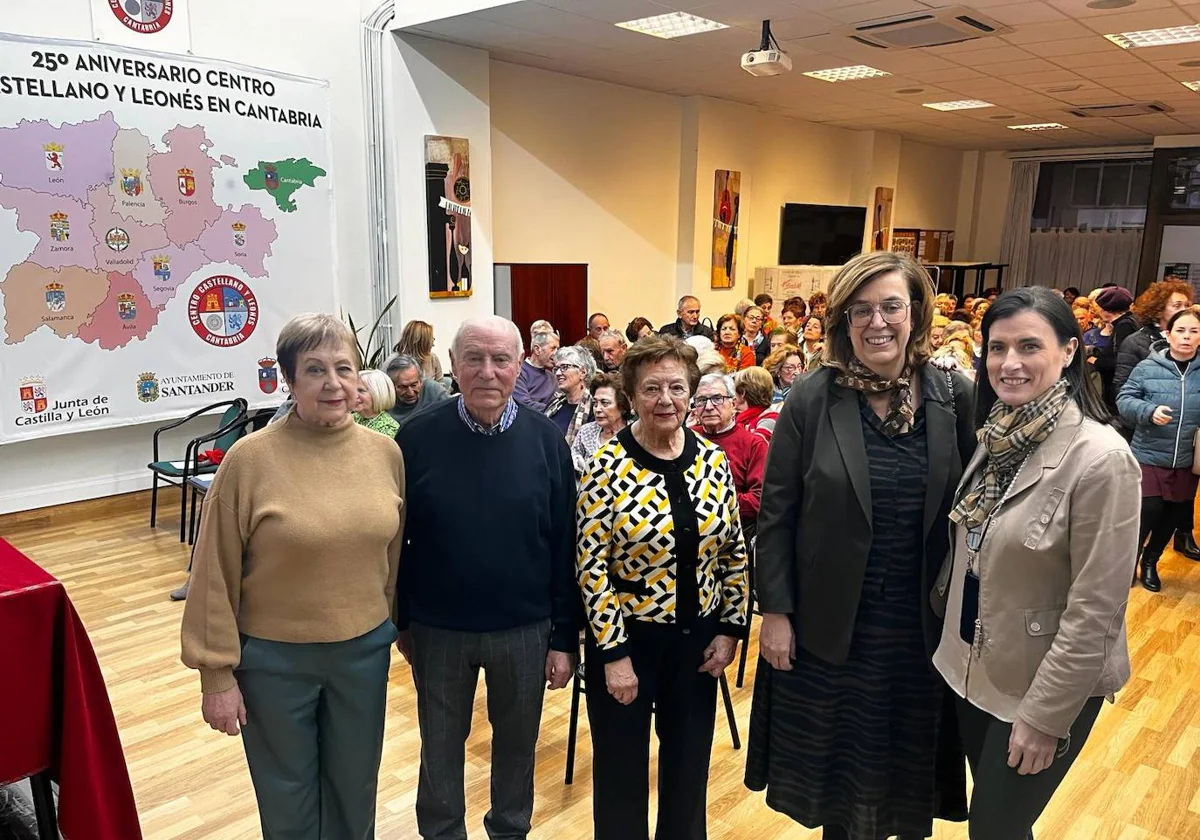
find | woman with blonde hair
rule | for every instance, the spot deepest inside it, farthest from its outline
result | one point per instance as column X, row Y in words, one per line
column 851, row 728
column 374, row 398
column 784, row 365
column 417, row 341
column 957, row 351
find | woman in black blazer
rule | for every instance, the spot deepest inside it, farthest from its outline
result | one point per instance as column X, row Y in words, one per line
column 851, row 727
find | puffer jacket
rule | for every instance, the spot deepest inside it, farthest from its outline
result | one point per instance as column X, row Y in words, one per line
column 1154, row 382
column 1134, row 349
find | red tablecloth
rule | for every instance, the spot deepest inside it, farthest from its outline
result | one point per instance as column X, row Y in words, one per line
column 54, row 709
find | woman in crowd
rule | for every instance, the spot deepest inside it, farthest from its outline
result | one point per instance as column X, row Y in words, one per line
column 1115, row 324
column 851, row 729
column 1070, row 294
column 417, row 341
column 778, row 338
column 813, row 342
column 610, row 406
column 957, row 350
column 1082, row 310
column 289, row 619
column 818, row 304
column 784, row 365
column 571, row 406
column 663, row 572
column 752, row 334
column 799, row 304
column 766, row 303
column 1045, row 529
column 373, row 399
column 638, row 328
column 1153, row 309
column 938, row 334
column 753, row 389
column 729, row 342
column 792, row 317
column 945, row 304
column 747, row 452
column 592, row 346
column 1161, row 402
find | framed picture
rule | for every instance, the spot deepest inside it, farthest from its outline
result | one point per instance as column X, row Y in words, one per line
column 727, row 196
column 448, row 212
column 881, row 219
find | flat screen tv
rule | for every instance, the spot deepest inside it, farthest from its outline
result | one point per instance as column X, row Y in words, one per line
column 820, row 234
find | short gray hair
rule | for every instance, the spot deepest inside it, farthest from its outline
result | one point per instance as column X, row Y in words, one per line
column 398, row 363
column 711, row 361
column 308, row 332
column 487, row 322
column 722, row 379
column 541, row 339
column 742, row 306
column 579, row 357
column 613, row 334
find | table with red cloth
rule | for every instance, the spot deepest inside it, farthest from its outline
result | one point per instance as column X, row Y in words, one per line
column 55, row 716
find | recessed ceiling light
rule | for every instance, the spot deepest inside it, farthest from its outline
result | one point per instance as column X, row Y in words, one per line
column 1157, row 37
column 959, row 105
column 847, row 74
column 673, row 25
column 1038, row 127
column 1107, row 5
column 1192, row 86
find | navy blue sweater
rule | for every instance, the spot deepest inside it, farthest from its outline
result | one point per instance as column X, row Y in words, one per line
column 489, row 542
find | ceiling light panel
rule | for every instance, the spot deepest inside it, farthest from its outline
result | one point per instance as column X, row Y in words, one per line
column 673, row 25
column 847, row 74
column 1038, row 127
column 959, row 105
column 1156, row 37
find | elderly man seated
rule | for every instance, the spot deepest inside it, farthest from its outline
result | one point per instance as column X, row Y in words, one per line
column 747, row 452
column 612, row 346
column 414, row 391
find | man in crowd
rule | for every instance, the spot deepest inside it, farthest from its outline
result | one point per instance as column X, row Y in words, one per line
column 487, row 580
column 535, row 383
column 597, row 325
column 612, row 347
column 414, row 392
column 688, row 323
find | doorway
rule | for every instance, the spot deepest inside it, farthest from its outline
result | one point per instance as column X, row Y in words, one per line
column 528, row 292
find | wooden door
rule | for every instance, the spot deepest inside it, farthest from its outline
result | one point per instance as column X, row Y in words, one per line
column 557, row 293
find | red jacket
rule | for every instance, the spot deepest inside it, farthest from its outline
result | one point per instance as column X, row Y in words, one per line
column 739, row 358
column 747, row 455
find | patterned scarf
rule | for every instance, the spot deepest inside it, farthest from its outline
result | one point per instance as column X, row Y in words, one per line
column 900, row 411
column 582, row 412
column 1009, row 436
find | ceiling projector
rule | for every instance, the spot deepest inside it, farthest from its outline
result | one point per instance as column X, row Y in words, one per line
column 768, row 59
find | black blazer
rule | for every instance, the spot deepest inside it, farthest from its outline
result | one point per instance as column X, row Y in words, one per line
column 814, row 526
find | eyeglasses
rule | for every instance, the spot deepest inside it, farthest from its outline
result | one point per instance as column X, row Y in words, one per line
column 716, row 401
column 789, row 368
column 565, row 368
column 893, row 312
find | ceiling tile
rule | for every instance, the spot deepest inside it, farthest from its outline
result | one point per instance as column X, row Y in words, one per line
column 861, row 12
column 1007, row 70
column 800, row 25
column 992, row 55
column 936, row 77
column 1055, row 31
column 1020, row 14
column 1116, row 57
column 1073, row 46
column 1137, row 21
column 610, row 11
column 1080, row 9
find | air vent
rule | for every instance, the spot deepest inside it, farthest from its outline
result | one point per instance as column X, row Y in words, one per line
column 934, row 28
column 1125, row 109
column 1061, row 88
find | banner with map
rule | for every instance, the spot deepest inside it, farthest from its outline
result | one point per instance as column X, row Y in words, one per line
column 161, row 217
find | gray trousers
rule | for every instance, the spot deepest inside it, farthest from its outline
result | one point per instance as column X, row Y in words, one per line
column 446, row 667
column 314, row 733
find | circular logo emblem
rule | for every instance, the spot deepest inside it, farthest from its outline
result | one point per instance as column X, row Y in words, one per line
column 143, row 16
column 116, row 239
column 462, row 190
column 223, row 311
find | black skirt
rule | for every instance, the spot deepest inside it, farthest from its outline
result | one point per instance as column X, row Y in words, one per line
column 857, row 745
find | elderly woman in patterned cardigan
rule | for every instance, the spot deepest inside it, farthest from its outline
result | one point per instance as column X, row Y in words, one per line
column 664, row 577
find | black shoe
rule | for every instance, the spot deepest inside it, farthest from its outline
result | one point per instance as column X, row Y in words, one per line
column 1185, row 544
column 1150, row 574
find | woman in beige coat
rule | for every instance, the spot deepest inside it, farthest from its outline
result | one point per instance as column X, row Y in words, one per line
column 1045, row 536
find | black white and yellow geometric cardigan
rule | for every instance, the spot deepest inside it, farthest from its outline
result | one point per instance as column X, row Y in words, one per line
column 640, row 520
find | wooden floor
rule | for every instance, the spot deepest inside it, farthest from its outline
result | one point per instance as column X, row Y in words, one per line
column 1138, row 778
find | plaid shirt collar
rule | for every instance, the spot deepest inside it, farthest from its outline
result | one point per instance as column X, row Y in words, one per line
column 506, row 419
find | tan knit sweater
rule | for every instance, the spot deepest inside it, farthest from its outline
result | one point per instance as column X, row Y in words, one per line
column 299, row 542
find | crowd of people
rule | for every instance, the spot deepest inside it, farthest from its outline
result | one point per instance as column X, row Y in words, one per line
column 912, row 491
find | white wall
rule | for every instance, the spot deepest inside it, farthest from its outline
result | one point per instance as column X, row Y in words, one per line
column 927, row 187
column 995, row 171
column 307, row 38
column 588, row 172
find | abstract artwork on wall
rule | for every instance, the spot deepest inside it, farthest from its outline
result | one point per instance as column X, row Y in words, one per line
column 448, row 209
column 881, row 224
column 726, row 198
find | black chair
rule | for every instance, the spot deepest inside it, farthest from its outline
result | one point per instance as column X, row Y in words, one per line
column 750, row 610
column 176, row 473
column 250, row 423
column 577, row 690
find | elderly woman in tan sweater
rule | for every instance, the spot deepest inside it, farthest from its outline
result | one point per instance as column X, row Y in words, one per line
column 289, row 618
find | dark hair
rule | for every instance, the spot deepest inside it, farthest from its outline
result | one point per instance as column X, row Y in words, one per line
column 1194, row 311
column 592, row 346
column 1055, row 311
column 635, row 326
column 611, row 380
column 759, row 300
column 651, row 350
column 1073, row 290
column 737, row 322
column 594, row 316
column 963, row 315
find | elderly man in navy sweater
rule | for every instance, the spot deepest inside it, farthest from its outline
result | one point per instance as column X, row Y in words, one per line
column 488, row 579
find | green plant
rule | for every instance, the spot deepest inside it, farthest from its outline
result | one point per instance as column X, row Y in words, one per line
column 371, row 355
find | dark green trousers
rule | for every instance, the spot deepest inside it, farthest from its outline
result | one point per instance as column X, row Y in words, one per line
column 314, row 733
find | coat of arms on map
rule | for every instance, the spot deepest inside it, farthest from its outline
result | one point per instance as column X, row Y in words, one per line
column 271, row 176
column 56, row 297
column 60, row 227
column 162, row 267
column 131, row 182
column 187, row 182
column 33, row 395
column 55, row 156
column 239, row 234
column 126, row 306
